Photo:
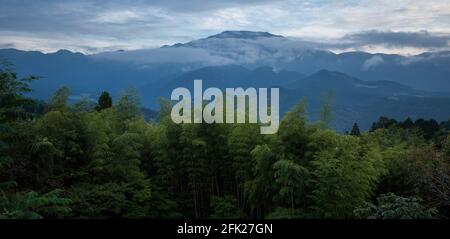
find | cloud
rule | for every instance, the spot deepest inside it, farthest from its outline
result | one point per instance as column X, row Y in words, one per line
column 182, row 55
column 215, row 51
column 53, row 42
column 425, row 57
column 6, row 45
column 151, row 23
column 273, row 51
column 372, row 62
column 202, row 5
column 119, row 17
column 420, row 39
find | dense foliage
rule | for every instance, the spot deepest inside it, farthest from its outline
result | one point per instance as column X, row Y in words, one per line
column 109, row 162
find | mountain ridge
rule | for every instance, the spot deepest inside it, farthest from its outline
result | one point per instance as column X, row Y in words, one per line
column 365, row 85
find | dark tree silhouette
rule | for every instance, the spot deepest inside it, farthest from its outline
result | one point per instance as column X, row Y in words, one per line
column 408, row 123
column 355, row 130
column 383, row 123
column 104, row 101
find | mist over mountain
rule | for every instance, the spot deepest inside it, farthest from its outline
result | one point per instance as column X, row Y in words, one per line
column 427, row 71
column 364, row 85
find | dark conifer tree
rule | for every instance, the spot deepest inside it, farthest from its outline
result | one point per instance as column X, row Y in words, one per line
column 104, row 101
column 355, row 130
column 408, row 123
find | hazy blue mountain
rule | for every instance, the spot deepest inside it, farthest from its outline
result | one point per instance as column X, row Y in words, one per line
column 221, row 77
column 364, row 101
column 365, row 85
column 238, row 76
column 354, row 100
column 84, row 74
column 325, row 80
column 427, row 71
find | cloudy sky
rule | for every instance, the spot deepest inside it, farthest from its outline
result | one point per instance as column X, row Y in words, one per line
column 401, row 26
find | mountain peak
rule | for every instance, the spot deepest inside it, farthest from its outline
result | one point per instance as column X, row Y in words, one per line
column 243, row 35
column 63, row 51
column 331, row 76
column 328, row 73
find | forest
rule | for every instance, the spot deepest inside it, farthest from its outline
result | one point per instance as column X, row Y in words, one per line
column 63, row 160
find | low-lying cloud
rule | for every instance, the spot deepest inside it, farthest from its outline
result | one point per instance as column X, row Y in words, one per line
column 421, row 39
column 273, row 50
column 182, row 55
column 372, row 62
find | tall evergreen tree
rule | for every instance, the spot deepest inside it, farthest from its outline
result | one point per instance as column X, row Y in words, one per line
column 104, row 101
column 355, row 130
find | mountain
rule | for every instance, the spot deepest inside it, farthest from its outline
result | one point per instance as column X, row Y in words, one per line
column 229, row 76
column 250, row 49
column 326, row 80
column 427, row 71
column 365, row 86
column 363, row 102
column 85, row 75
column 354, row 100
column 236, row 76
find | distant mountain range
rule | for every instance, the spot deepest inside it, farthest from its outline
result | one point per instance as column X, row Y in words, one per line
column 365, row 86
column 354, row 100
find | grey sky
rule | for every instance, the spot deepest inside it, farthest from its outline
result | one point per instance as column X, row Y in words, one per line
column 402, row 26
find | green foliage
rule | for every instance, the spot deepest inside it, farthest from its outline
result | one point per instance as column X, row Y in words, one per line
column 98, row 200
column 225, row 207
column 290, row 180
column 31, row 205
column 128, row 105
column 446, row 149
column 25, row 205
column 420, row 172
column 391, row 206
column 344, row 177
column 12, row 99
column 12, row 112
column 294, row 133
column 112, row 163
column 427, row 128
column 259, row 190
column 285, row 213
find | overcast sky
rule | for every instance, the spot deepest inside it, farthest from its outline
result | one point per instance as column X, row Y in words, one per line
column 400, row 26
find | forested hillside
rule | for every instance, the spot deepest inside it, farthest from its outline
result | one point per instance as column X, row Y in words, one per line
column 79, row 161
